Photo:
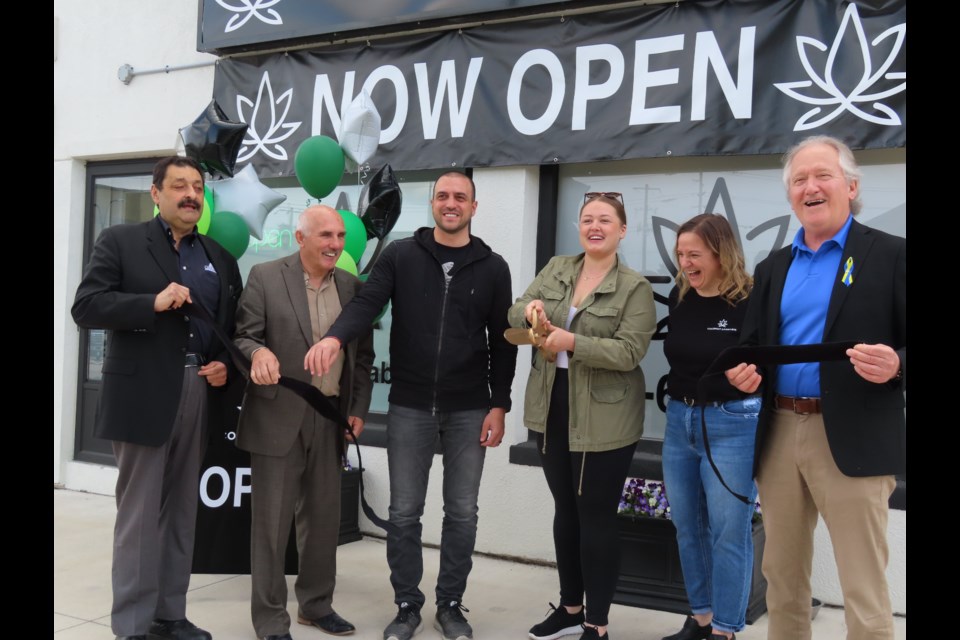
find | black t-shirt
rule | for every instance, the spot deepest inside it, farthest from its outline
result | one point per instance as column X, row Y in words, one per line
column 699, row 329
column 450, row 257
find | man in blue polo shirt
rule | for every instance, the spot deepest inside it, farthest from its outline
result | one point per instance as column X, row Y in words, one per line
column 831, row 435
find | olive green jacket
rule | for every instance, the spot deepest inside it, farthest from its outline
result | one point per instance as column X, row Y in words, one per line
column 612, row 328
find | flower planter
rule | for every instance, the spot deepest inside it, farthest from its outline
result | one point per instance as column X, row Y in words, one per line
column 650, row 574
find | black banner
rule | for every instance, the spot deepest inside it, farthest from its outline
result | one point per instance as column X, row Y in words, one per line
column 229, row 24
column 713, row 77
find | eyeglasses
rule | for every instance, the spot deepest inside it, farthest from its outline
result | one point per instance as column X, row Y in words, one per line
column 611, row 195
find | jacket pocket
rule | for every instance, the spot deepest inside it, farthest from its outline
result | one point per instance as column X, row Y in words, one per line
column 599, row 322
column 609, row 393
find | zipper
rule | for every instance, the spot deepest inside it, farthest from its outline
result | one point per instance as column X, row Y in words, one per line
column 443, row 315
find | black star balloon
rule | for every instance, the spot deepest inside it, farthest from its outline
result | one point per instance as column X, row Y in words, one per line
column 214, row 141
column 380, row 202
column 379, row 208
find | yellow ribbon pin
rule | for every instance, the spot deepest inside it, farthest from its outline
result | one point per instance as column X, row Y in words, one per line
column 847, row 278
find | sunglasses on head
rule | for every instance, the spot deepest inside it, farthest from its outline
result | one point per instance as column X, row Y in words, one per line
column 610, row 195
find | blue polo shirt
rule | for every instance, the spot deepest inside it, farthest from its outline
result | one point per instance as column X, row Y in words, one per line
column 198, row 274
column 803, row 307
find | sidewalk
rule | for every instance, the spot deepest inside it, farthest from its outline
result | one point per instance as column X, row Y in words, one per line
column 505, row 598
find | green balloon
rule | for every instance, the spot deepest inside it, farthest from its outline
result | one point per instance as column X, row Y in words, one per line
column 203, row 224
column 319, row 165
column 230, row 231
column 356, row 240
column 347, row 263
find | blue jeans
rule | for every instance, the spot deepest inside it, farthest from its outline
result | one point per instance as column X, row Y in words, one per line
column 411, row 439
column 714, row 531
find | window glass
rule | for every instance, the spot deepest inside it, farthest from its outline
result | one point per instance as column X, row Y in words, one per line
column 661, row 194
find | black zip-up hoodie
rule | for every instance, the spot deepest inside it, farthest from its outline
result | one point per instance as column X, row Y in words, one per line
column 447, row 351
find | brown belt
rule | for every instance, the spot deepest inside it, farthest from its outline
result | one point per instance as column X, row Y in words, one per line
column 803, row 406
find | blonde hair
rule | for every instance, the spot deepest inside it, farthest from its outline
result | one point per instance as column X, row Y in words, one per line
column 714, row 230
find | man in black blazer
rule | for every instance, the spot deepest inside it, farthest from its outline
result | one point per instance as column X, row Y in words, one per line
column 831, row 435
column 158, row 367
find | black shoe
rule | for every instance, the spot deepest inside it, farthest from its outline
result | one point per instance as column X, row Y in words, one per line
column 282, row 636
column 331, row 623
column 450, row 621
column 407, row 624
column 140, row 637
column 691, row 631
column 591, row 633
column 181, row 629
column 558, row 624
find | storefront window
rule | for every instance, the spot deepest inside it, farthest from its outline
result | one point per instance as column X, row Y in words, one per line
column 661, row 194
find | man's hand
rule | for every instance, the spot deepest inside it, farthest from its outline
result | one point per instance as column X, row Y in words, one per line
column 874, row 362
column 492, row 431
column 215, row 372
column 265, row 368
column 745, row 377
column 173, row 297
column 321, row 356
column 357, row 424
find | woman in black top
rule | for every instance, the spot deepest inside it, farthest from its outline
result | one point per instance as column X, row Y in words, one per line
column 714, row 531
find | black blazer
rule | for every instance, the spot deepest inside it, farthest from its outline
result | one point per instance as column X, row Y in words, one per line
column 865, row 422
column 144, row 362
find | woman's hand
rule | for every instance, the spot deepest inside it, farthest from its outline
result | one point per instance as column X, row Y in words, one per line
column 535, row 310
column 557, row 339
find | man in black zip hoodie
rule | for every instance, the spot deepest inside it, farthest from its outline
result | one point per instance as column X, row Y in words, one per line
column 451, row 375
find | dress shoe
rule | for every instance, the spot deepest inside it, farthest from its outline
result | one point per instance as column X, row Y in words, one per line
column 141, row 637
column 691, row 631
column 181, row 629
column 281, row 636
column 331, row 623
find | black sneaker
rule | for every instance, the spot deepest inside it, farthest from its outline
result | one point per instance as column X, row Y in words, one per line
column 591, row 633
column 407, row 623
column 691, row 631
column 559, row 623
column 450, row 622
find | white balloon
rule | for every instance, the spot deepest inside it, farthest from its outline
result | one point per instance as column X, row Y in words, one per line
column 360, row 129
column 246, row 196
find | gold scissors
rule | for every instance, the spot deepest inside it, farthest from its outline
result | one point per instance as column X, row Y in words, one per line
column 533, row 336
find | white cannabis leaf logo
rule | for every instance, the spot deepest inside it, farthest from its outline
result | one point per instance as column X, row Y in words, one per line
column 264, row 112
column 829, row 93
column 250, row 9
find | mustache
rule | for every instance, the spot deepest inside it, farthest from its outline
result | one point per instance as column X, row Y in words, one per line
column 189, row 201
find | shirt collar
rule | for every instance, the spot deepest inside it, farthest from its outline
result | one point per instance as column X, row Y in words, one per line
column 839, row 239
column 190, row 237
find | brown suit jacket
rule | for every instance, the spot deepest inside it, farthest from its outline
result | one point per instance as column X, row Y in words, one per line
column 273, row 313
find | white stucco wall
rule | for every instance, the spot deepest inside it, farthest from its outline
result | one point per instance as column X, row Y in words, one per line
column 97, row 117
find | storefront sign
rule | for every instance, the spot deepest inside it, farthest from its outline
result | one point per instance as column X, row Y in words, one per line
column 692, row 78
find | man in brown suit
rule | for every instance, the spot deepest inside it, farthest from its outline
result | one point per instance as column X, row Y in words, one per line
column 294, row 452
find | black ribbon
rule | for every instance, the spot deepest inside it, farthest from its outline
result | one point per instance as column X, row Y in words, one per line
column 763, row 356
column 305, row 390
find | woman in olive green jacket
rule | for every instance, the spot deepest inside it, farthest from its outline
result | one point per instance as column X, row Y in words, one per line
column 587, row 406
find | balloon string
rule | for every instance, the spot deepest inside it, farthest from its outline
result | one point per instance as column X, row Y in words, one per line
column 373, row 258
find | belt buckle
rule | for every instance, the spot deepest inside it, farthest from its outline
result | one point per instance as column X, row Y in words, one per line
column 796, row 407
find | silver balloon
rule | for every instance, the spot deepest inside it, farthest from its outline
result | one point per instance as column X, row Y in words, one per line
column 247, row 197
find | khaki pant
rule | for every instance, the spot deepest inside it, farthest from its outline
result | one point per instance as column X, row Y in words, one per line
column 797, row 479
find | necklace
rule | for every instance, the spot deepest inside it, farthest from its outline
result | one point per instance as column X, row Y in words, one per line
column 583, row 274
